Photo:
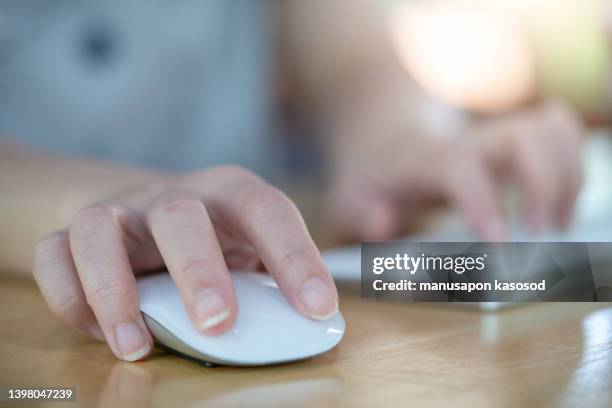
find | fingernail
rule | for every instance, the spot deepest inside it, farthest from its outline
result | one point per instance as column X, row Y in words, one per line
column 318, row 299
column 211, row 309
column 495, row 231
column 132, row 342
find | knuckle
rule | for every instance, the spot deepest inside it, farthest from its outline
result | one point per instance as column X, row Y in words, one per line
column 193, row 271
column 174, row 203
column 265, row 203
column 296, row 255
column 88, row 220
column 106, row 292
column 71, row 308
column 48, row 249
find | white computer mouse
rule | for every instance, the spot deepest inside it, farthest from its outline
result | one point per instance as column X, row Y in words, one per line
column 267, row 330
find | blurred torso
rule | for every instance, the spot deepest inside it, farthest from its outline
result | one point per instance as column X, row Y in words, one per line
column 171, row 84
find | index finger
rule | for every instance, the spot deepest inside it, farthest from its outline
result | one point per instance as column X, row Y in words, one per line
column 274, row 226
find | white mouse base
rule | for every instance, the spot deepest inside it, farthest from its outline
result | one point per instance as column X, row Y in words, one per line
column 169, row 342
column 267, row 329
column 172, row 344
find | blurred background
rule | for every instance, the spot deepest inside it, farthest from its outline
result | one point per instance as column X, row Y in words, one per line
column 491, row 56
column 179, row 85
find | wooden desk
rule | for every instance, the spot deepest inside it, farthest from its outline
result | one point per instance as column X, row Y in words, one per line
column 392, row 355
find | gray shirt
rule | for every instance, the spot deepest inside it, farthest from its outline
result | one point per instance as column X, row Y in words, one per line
column 177, row 84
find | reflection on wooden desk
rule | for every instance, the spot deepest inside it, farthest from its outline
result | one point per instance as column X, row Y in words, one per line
column 393, row 354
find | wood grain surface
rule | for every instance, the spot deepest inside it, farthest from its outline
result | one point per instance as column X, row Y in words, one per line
column 555, row 354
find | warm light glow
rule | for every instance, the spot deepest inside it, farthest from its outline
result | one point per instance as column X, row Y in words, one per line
column 468, row 56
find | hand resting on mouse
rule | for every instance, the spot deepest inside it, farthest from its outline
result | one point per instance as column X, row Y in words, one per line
column 197, row 226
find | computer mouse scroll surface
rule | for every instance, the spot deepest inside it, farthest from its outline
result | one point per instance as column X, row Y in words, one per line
column 267, row 330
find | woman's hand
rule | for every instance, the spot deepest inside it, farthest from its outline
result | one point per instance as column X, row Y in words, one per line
column 197, row 226
column 387, row 165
